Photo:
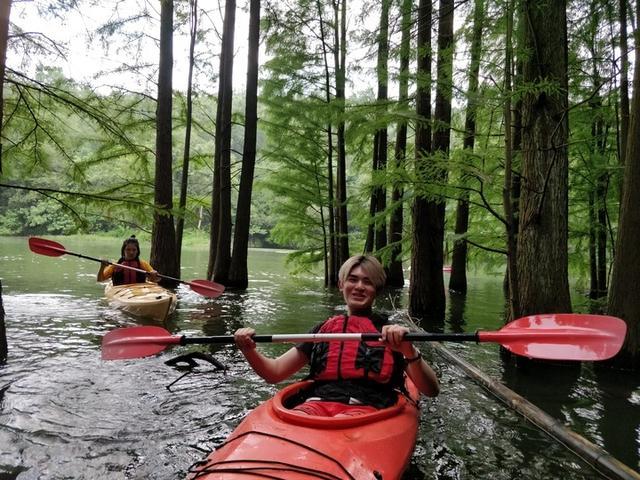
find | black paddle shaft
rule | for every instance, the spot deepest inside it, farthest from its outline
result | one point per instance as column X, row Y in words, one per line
column 367, row 337
column 116, row 264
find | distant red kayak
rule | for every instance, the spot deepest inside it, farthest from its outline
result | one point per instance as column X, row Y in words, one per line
column 275, row 442
column 446, row 268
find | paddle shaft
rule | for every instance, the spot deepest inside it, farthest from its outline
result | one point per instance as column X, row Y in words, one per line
column 79, row 255
column 328, row 337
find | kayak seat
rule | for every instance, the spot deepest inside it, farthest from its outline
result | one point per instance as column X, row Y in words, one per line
column 292, row 395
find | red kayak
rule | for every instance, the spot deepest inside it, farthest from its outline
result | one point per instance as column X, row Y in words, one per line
column 275, row 442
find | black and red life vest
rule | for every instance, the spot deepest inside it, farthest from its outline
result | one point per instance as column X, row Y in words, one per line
column 123, row 276
column 351, row 360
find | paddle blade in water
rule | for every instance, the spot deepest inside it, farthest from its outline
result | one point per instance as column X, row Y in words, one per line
column 46, row 247
column 561, row 336
column 206, row 288
column 136, row 342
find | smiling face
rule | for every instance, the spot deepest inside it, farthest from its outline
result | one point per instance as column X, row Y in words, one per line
column 358, row 290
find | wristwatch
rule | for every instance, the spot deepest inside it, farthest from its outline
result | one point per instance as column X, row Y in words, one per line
column 414, row 359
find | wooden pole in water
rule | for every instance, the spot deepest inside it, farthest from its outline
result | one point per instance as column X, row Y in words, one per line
column 597, row 457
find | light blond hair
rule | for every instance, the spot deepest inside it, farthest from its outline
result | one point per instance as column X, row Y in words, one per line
column 371, row 266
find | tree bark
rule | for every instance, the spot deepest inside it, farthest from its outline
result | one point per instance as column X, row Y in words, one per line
column 431, row 254
column 420, row 296
column 542, row 240
column 377, row 237
column 458, row 278
column 340, row 55
column 238, row 272
column 331, row 248
column 624, row 82
column 163, row 237
column 222, row 202
column 395, row 274
column 623, row 294
column 187, row 135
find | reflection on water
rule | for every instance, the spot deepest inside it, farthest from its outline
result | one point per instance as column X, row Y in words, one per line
column 64, row 413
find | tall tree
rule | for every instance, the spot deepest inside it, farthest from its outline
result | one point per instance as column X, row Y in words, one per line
column 193, row 30
column 395, row 275
column 420, row 294
column 377, row 230
column 340, row 58
column 163, row 236
column 331, row 265
column 433, row 218
column 220, row 245
column 458, row 278
column 542, row 238
column 5, row 12
column 513, row 307
column 624, row 81
column 238, row 272
column 623, row 297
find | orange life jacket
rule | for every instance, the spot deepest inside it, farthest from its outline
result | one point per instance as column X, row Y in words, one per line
column 351, row 360
column 123, row 276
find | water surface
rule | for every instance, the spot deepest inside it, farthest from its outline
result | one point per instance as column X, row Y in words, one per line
column 64, row 413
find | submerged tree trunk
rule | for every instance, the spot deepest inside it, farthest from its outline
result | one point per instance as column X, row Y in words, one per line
column 623, row 293
column 193, row 4
column 420, row 296
column 395, row 275
column 238, row 272
column 458, row 278
column 221, row 203
column 163, row 237
column 542, row 240
column 340, row 56
column 330, row 255
column 434, row 208
column 377, row 236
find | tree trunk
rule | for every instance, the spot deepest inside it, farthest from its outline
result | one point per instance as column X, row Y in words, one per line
column 431, row 254
column 624, row 82
column 340, row 55
column 238, row 272
column 5, row 13
column 458, row 278
column 513, row 306
column 163, row 237
column 623, row 292
column 223, row 150
column 331, row 247
column 542, row 240
column 193, row 4
column 420, row 296
column 377, row 238
column 395, row 274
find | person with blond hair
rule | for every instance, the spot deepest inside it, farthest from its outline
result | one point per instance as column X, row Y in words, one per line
column 350, row 378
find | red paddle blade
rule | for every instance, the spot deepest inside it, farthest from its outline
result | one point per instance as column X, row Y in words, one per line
column 561, row 336
column 136, row 342
column 46, row 247
column 206, row 288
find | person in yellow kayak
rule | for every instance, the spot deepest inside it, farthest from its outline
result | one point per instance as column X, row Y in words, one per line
column 129, row 256
column 350, row 378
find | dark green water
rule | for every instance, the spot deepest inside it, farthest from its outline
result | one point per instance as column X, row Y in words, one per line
column 66, row 414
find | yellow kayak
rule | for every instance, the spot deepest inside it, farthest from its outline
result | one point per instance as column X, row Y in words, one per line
column 147, row 300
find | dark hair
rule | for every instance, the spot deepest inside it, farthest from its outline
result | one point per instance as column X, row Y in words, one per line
column 132, row 240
